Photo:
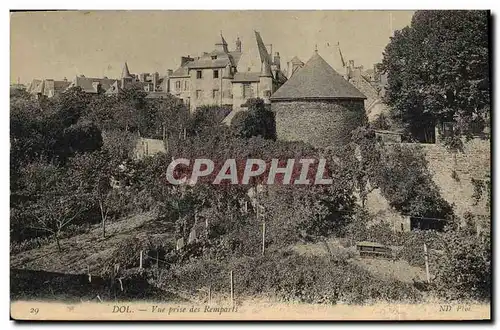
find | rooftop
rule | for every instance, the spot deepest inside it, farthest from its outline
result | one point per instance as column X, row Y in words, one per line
column 317, row 80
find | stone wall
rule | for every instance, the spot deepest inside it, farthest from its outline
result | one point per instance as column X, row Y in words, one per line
column 453, row 173
column 320, row 123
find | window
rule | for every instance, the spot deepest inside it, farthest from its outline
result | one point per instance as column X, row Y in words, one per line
column 214, row 57
column 215, row 93
column 186, row 87
column 198, row 94
column 198, row 74
column 178, row 85
column 216, row 74
column 247, row 91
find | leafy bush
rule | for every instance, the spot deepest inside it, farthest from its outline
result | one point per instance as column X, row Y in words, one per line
column 258, row 120
column 464, row 270
column 413, row 247
column 407, row 184
column 127, row 254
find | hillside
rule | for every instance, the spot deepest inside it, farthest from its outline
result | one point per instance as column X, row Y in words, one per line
column 89, row 249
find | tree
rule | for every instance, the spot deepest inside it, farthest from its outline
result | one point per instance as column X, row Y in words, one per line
column 91, row 175
column 207, row 117
column 464, row 270
column 168, row 117
column 52, row 205
column 367, row 162
column 257, row 120
column 381, row 122
column 438, row 71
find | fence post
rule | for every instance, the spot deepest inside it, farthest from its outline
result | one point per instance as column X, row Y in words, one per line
column 263, row 236
column 232, row 288
column 121, row 283
column 426, row 257
column 140, row 260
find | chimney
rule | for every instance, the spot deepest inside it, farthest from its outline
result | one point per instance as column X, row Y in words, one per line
column 155, row 80
column 356, row 73
column 96, row 86
column 65, row 79
column 350, row 69
column 238, row 45
column 170, row 72
column 296, row 64
column 277, row 61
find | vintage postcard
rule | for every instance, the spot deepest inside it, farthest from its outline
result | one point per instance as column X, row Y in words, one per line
column 250, row 165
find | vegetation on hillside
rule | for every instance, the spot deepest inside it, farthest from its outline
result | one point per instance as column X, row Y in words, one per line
column 72, row 168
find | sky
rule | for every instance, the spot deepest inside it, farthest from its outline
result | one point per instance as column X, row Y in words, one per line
column 56, row 45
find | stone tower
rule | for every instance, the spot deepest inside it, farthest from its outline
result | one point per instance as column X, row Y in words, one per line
column 318, row 106
column 126, row 78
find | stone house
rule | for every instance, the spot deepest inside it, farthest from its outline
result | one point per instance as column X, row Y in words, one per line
column 214, row 78
column 47, row 87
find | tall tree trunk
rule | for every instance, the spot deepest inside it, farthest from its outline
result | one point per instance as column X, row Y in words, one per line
column 56, row 235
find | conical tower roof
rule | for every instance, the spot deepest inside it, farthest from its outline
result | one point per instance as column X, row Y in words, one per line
column 222, row 45
column 125, row 71
column 317, row 80
column 264, row 55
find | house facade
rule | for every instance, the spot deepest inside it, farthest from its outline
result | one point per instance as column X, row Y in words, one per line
column 214, row 78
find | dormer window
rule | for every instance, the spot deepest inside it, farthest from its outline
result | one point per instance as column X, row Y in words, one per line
column 214, row 57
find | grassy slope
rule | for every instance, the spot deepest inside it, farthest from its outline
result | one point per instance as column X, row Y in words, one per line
column 398, row 269
column 89, row 249
column 92, row 250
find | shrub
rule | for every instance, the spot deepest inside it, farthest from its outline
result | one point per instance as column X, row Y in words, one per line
column 413, row 247
column 258, row 120
column 127, row 254
column 464, row 270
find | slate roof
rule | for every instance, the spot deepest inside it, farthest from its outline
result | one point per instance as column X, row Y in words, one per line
column 60, row 85
column 35, row 86
column 47, row 87
column 182, row 71
column 264, row 55
column 317, row 80
column 246, row 77
column 296, row 60
column 206, row 62
column 86, row 83
column 125, row 71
